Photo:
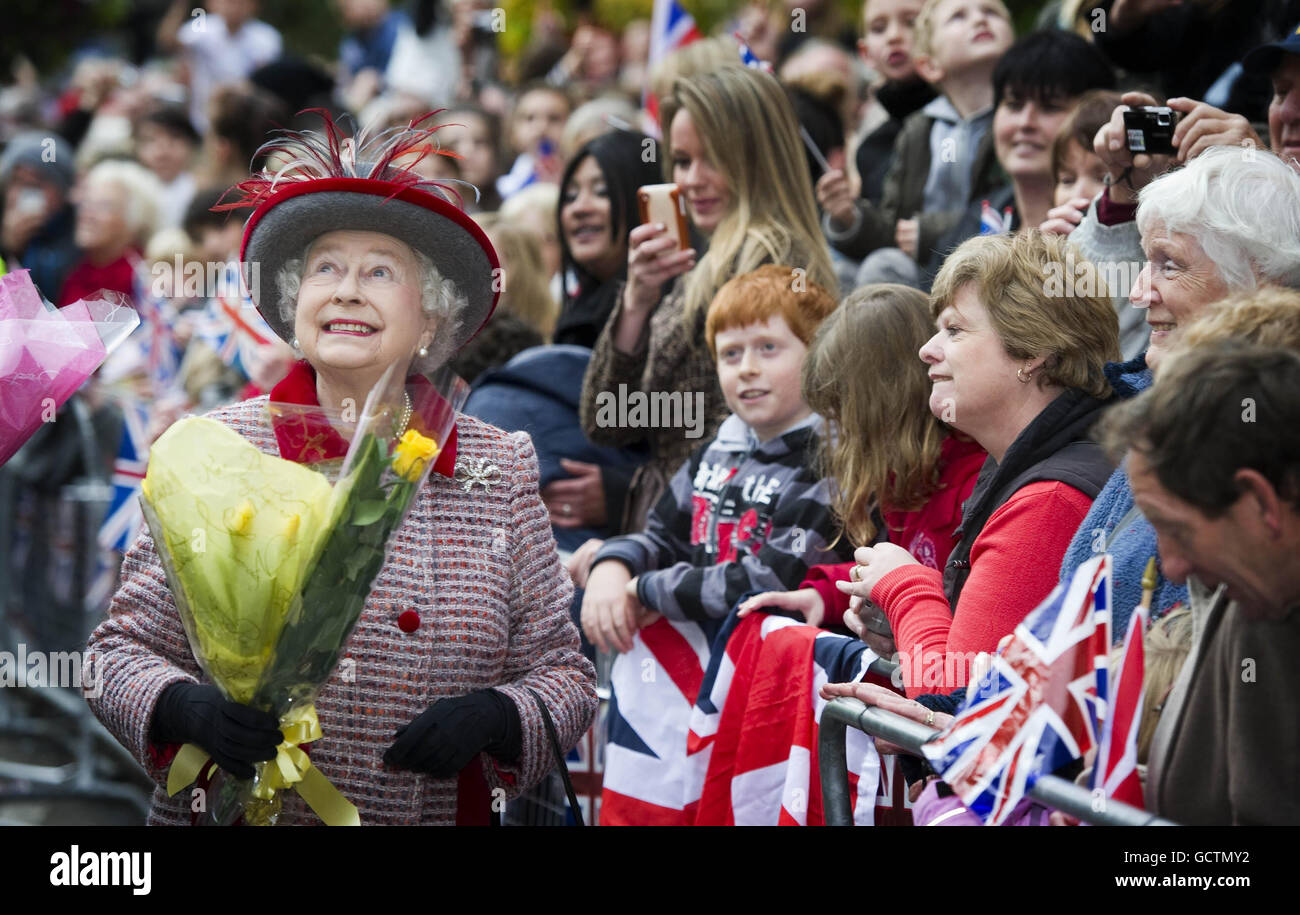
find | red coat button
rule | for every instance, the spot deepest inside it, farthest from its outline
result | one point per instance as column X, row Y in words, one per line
column 408, row 621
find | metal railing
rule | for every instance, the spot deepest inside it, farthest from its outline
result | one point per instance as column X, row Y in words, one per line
column 55, row 754
column 841, row 714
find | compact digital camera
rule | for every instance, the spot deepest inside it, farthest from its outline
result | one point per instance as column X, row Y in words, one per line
column 1150, row 129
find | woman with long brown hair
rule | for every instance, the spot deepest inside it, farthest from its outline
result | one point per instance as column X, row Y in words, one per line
column 902, row 474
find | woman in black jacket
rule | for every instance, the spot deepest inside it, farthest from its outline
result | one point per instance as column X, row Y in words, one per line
column 598, row 208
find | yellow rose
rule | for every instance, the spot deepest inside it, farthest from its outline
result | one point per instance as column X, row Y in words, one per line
column 411, row 455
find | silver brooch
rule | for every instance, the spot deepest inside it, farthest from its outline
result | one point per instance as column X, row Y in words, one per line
column 470, row 471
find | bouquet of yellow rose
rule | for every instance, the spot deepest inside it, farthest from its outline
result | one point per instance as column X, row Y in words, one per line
column 270, row 567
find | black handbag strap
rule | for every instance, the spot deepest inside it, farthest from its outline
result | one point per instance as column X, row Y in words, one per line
column 559, row 757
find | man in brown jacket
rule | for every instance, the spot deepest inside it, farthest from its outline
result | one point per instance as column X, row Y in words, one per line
column 1214, row 459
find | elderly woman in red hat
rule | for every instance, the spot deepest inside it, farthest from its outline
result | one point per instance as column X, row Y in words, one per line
column 361, row 264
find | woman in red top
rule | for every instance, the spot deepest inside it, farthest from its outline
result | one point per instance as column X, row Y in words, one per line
column 891, row 455
column 1016, row 365
column 116, row 215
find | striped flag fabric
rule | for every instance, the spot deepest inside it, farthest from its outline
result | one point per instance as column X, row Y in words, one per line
column 720, row 725
column 748, row 57
column 754, row 727
column 1115, row 772
column 163, row 352
column 231, row 324
column 649, row 779
column 214, row 329
column 124, row 520
column 989, row 221
column 671, row 28
column 1040, row 704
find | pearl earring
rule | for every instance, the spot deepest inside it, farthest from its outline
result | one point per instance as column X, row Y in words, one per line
column 294, row 343
column 423, row 351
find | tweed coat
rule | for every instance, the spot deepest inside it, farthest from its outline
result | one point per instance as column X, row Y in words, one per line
column 482, row 571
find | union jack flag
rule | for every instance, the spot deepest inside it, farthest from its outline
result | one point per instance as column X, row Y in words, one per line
column 755, row 724
column 232, row 325
column 748, row 57
column 671, row 28
column 1039, row 705
column 1116, row 770
column 993, row 224
column 214, row 329
column 650, row 780
column 163, row 353
column 124, row 520
column 718, row 725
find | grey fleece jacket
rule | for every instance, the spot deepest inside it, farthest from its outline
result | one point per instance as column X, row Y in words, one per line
column 1116, row 251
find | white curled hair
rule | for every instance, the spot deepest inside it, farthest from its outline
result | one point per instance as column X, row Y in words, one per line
column 1242, row 205
column 141, row 188
column 439, row 299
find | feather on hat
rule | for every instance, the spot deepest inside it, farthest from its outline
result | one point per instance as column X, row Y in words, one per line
column 364, row 182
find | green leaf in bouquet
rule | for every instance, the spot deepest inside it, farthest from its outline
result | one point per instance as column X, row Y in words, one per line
column 356, row 562
column 369, row 511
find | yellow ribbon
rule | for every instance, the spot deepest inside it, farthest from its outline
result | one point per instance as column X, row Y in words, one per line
column 185, row 767
column 291, row 768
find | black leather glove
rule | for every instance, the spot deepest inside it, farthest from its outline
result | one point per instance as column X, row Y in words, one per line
column 451, row 732
column 234, row 735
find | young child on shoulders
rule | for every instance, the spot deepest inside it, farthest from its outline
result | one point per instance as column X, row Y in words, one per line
column 944, row 153
column 886, row 47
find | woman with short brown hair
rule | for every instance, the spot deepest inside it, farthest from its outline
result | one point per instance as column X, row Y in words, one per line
column 1019, row 371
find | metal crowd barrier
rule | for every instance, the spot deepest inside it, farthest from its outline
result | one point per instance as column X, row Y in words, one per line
column 56, row 759
column 841, row 714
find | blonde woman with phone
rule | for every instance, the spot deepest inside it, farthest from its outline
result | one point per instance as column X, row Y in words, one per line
column 734, row 152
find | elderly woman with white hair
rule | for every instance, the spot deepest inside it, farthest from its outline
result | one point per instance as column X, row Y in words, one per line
column 465, row 642
column 1227, row 222
column 117, row 211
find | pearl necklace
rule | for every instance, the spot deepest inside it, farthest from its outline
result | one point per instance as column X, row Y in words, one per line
column 406, row 413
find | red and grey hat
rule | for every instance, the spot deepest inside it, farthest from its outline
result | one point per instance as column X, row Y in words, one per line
column 333, row 182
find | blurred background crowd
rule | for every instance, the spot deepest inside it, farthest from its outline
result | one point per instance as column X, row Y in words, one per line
column 122, row 124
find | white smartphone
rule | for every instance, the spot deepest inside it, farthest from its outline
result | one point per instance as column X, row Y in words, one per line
column 663, row 203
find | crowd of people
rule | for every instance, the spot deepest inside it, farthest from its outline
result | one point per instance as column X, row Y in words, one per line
column 932, row 331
